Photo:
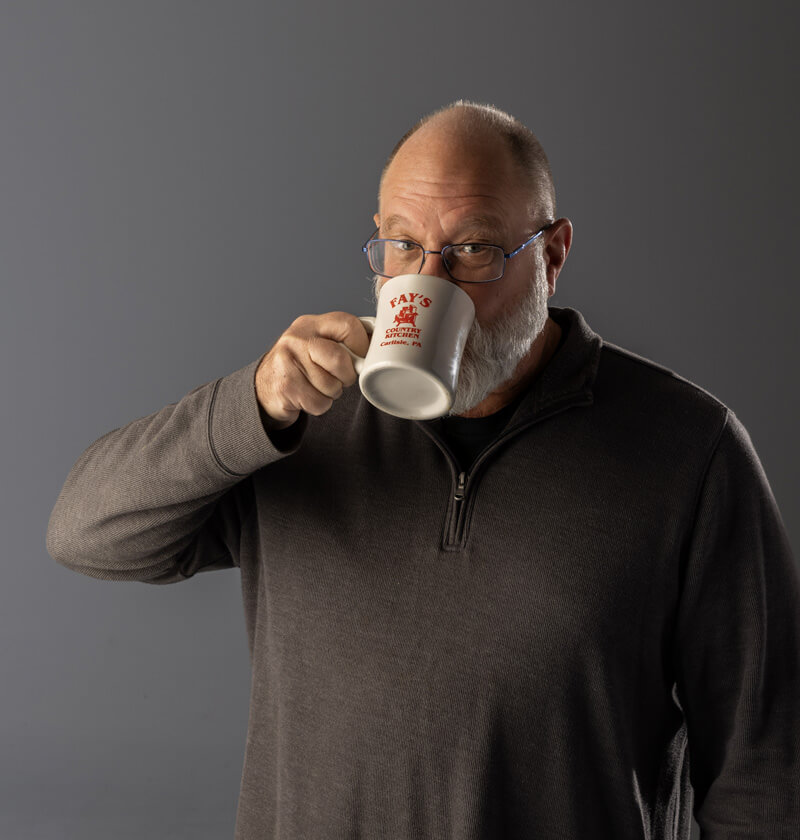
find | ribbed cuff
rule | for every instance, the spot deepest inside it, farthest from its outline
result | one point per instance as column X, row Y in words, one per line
column 238, row 439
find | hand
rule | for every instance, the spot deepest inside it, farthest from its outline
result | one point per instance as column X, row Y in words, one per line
column 307, row 369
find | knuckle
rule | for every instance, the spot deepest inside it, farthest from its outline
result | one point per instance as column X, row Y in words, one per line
column 314, row 349
column 280, row 353
column 332, row 386
column 323, row 352
column 319, row 405
column 290, row 341
column 348, row 375
column 284, row 365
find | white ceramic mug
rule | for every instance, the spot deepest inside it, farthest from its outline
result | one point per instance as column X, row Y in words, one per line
column 417, row 340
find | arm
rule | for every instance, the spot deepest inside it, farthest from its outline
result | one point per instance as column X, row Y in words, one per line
column 164, row 496
column 737, row 652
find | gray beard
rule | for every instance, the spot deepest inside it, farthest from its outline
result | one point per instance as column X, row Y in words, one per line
column 493, row 351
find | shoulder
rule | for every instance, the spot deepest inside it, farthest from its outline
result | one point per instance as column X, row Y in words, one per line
column 643, row 378
column 652, row 401
column 625, row 382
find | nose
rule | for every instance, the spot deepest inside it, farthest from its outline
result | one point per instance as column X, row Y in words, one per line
column 434, row 264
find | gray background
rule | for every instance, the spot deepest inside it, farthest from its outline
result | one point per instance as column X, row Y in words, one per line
column 180, row 180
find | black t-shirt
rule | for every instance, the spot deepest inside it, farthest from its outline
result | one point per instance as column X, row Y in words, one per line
column 468, row 436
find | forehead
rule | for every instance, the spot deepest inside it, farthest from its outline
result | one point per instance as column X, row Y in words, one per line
column 475, row 221
column 453, row 177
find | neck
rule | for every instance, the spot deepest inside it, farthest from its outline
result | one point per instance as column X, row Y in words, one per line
column 527, row 370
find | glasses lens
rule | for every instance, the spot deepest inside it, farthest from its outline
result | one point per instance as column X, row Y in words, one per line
column 391, row 257
column 474, row 262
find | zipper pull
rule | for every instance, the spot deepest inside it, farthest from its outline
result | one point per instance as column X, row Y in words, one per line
column 462, row 480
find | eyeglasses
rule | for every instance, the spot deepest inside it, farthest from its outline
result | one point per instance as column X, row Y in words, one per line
column 467, row 262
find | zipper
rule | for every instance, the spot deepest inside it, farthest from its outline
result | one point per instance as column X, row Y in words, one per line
column 462, row 480
column 458, row 496
column 454, row 527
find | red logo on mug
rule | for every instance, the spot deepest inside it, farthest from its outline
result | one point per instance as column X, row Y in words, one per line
column 407, row 315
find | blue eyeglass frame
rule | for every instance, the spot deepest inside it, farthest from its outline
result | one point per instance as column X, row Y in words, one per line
column 506, row 256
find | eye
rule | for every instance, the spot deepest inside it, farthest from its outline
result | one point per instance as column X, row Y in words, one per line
column 471, row 249
column 403, row 245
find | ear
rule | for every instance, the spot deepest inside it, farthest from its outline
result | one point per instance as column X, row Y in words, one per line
column 557, row 242
column 377, row 219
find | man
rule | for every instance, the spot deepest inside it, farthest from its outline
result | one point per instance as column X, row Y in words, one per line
column 543, row 615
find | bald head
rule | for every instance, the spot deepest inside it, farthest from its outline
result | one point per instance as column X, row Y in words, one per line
column 483, row 132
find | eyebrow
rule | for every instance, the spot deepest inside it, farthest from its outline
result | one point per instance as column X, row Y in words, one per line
column 474, row 224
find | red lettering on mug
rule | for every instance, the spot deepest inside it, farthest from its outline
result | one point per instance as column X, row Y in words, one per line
column 410, row 298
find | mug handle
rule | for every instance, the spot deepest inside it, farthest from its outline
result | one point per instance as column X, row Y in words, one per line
column 369, row 324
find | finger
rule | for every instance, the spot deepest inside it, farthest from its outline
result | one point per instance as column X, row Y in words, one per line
column 318, row 375
column 332, row 358
column 287, row 387
column 302, row 393
column 346, row 328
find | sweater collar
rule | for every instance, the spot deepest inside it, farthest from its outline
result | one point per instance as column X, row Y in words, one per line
column 570, row 374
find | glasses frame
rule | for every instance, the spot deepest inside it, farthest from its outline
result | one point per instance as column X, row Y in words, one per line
column 506, row 256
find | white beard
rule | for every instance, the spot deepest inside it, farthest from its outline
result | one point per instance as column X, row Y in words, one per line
column 492, row 352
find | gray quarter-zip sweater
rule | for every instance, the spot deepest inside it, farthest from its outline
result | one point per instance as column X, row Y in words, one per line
column 548, row 642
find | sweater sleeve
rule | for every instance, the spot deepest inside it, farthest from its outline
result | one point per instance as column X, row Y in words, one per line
column 165, row 496
column 737, row 652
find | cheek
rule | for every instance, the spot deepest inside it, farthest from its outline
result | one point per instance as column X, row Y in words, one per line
column 490, row 301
